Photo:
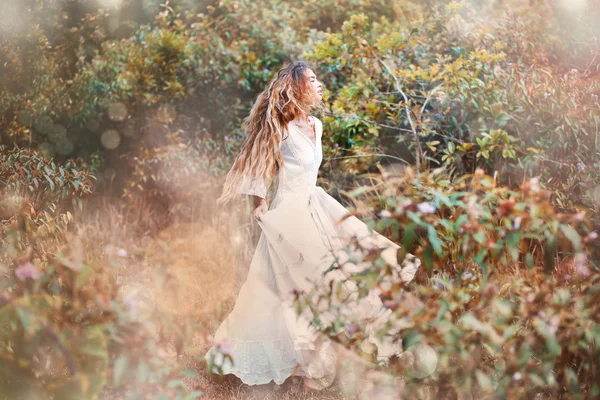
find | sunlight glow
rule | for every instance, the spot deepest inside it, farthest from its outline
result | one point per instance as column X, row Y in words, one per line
column 573, row 5
column 111, row 4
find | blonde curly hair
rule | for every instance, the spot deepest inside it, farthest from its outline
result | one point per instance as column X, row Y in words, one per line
column 286, row 97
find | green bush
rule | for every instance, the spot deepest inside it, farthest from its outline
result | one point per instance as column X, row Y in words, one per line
column 65, row 331
column 468, row 87
column 497, row 329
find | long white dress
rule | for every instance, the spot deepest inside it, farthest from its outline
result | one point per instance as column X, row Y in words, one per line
column 300, row 238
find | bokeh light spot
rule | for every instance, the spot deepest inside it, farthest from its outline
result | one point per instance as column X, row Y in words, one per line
column 111, row 139
column 44, row 124
column 93, row 125
column 47, row 149
column 117, row 112
column 57, row 133
column 25, row 117
column 64, row 146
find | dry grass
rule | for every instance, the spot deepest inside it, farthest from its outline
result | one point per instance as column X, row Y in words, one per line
column 193, row 270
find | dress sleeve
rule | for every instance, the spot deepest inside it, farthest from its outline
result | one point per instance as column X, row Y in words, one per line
column 253, row 186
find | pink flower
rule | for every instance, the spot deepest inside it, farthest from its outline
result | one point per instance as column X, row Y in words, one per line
column 27, row 270
column 581, row 267
column 426, row 208
column 225, row 346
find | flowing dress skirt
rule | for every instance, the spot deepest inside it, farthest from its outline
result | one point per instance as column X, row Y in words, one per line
column 299, row 241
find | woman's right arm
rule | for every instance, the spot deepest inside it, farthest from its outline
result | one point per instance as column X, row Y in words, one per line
column 260, row 207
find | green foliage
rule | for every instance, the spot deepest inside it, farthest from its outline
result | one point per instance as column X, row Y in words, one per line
column 65, row 332
column 493, row 92
column 458, row 86
column 472, row 220
column 496, row 328
column 39, row 195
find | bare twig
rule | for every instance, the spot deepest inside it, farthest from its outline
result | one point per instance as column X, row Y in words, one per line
column 369, row 155
column 408, row 111
column 368, row 121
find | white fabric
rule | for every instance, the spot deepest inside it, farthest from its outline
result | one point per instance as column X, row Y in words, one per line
column 300, row 239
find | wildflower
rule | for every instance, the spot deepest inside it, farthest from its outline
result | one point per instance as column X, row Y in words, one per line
column 595, row 97
column 226, row 138
column 517, row 222
column 546, row 95
column 580, row 262
column 579, row 217
column 265, row 71
column 473, row 208
column 225, row 346
column 593, row 236
column 466, row 276
column 351, row 329
column 534, row 184
column 426, row 208
column 385, row 214
column 580, row 166
column 27, row 270
column 122, row 253
column 517, row 376
column 391, row 304
column 161, row 353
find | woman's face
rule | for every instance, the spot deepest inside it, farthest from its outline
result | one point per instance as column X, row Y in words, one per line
column 314, row 84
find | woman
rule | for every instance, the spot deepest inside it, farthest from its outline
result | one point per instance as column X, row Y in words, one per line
column 301, row 237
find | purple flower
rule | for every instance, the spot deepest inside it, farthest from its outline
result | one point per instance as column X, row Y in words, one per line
column 226, row 138
column 517, row 222
column 580, row 166
column 546, row 95
column 265, row 71
column 351, row 329
column 27, row 270
column 426, row 208
column 593, row 236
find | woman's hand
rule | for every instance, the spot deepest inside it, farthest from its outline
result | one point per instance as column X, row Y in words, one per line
column 262, row 208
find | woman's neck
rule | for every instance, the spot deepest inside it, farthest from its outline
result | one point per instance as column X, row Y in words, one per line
column 302, row 119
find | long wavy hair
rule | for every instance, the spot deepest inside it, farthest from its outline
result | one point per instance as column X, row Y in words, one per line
column 287, row 96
